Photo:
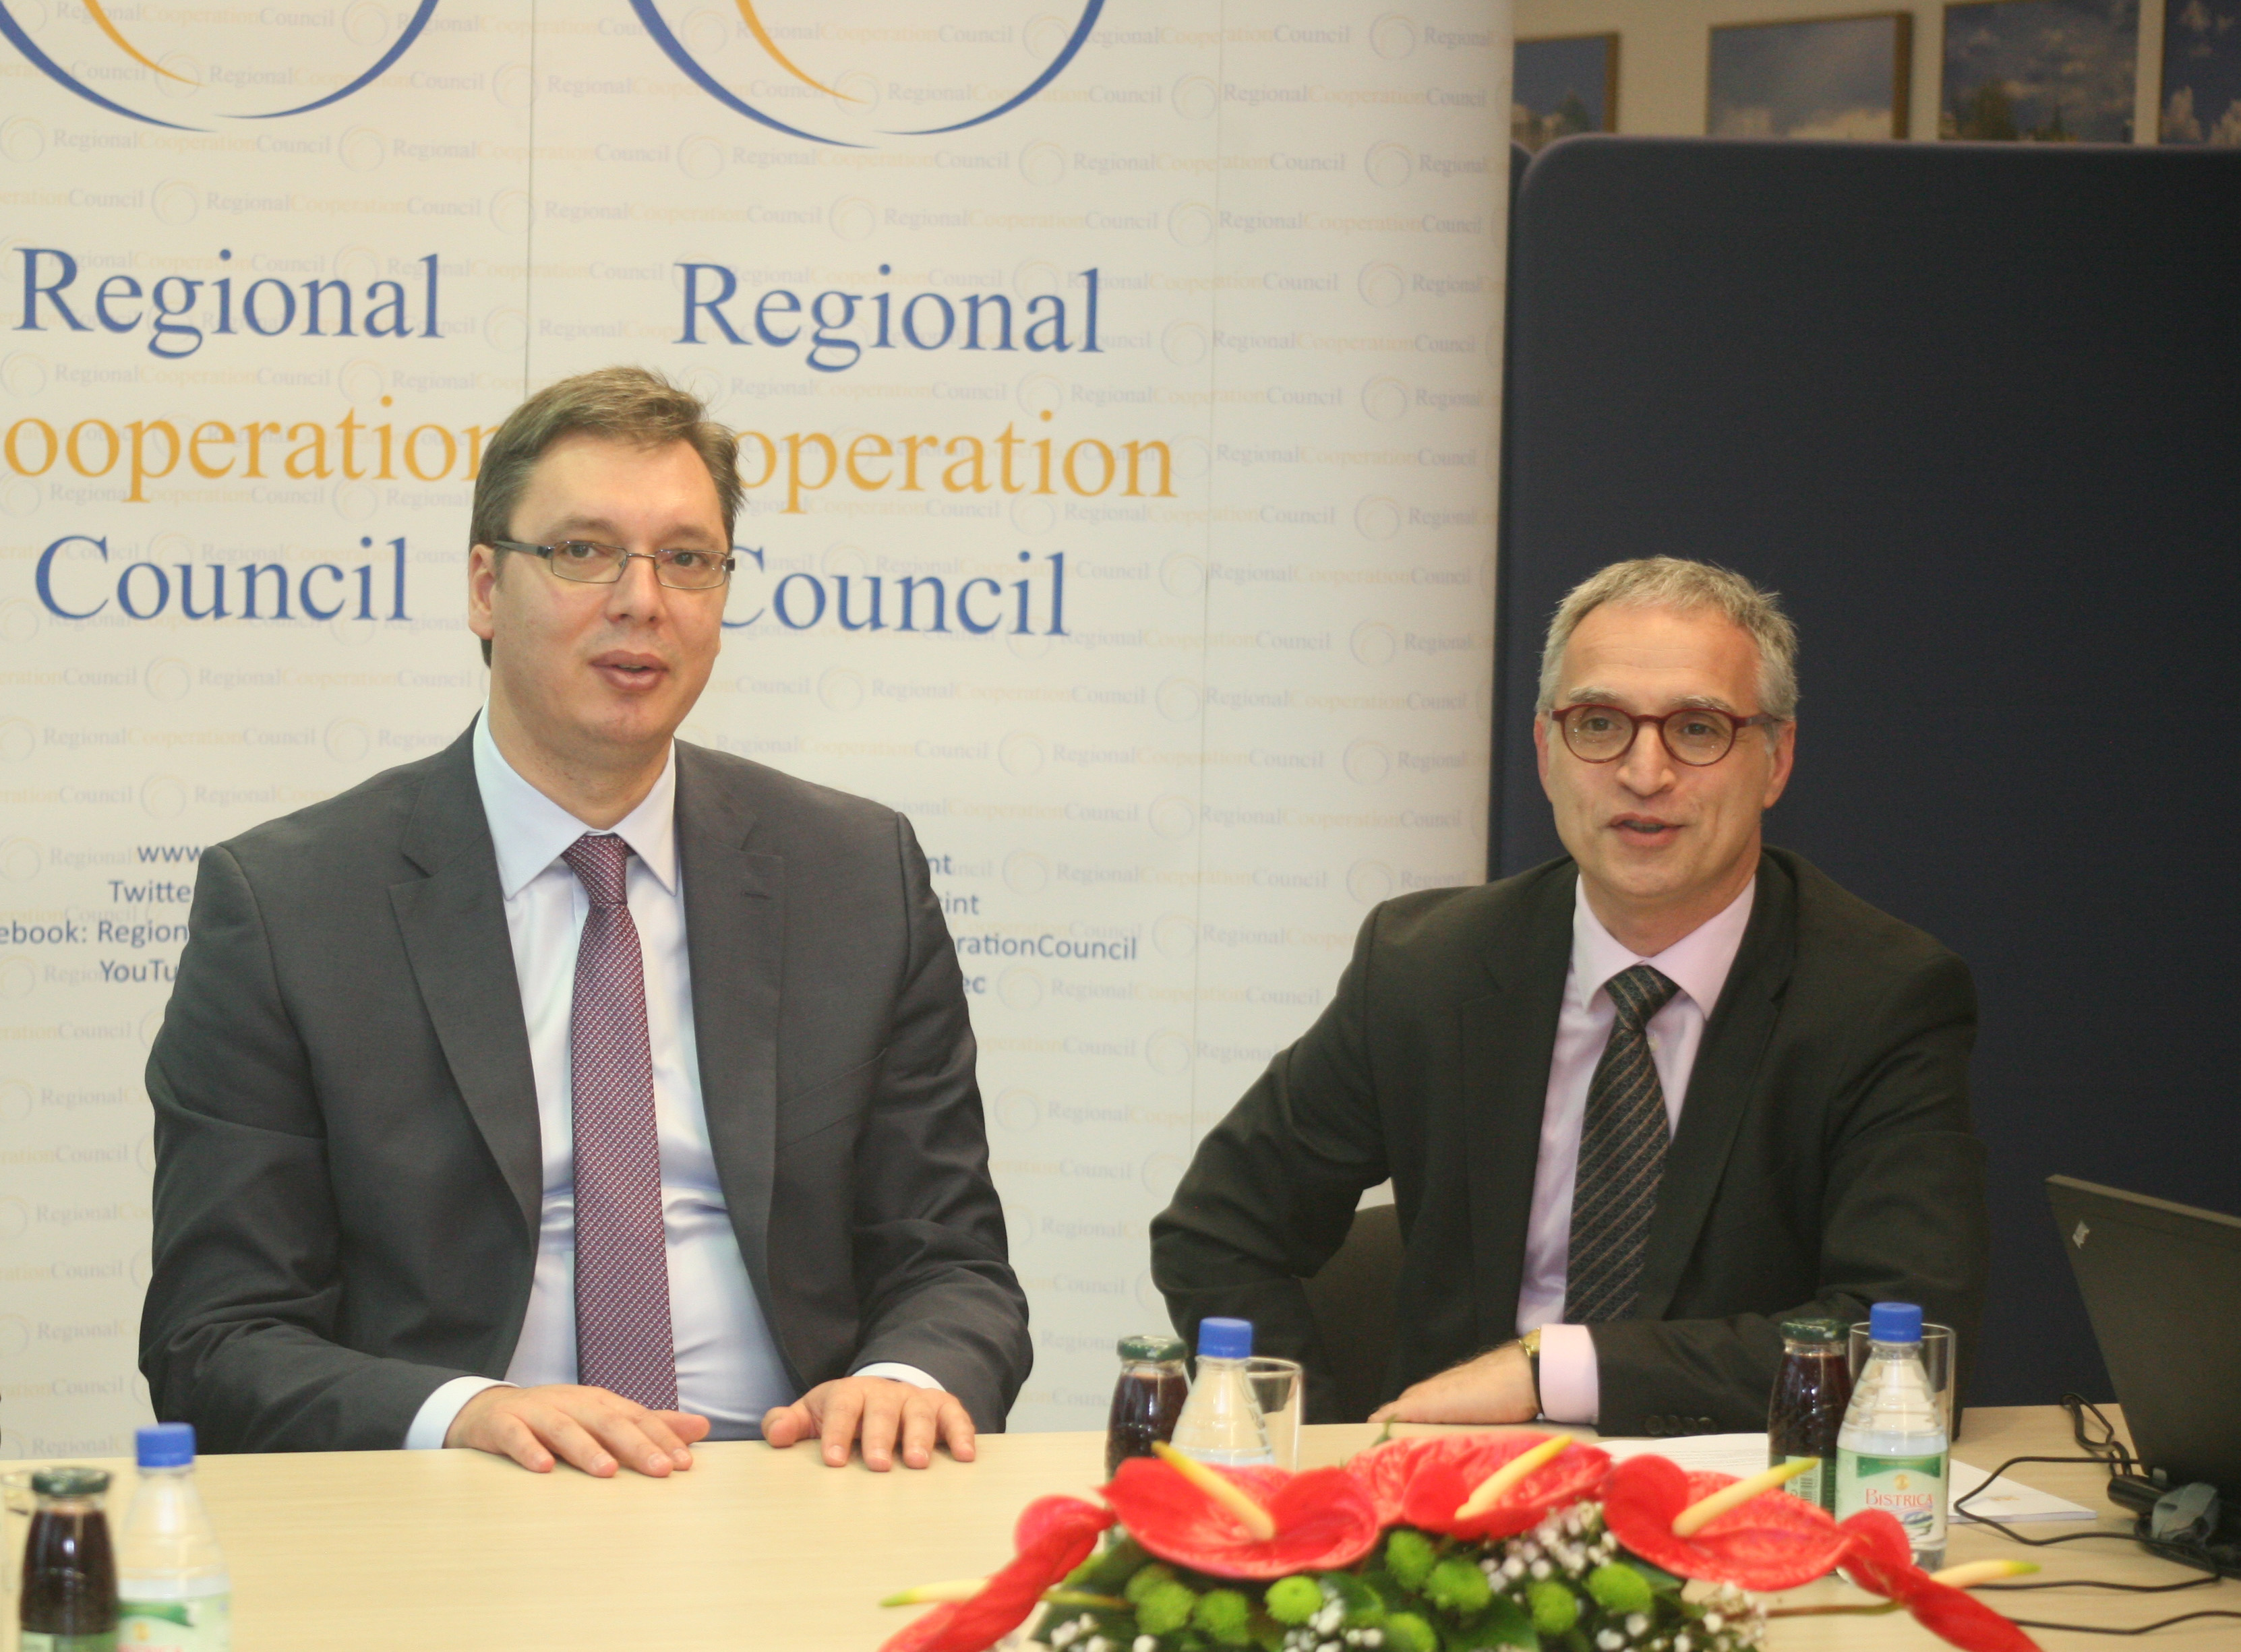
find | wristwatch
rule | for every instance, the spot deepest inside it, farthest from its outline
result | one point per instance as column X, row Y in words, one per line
column 1530, row 1345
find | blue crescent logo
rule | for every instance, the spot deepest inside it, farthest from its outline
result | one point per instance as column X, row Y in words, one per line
column 793, row 75
column 17, row 36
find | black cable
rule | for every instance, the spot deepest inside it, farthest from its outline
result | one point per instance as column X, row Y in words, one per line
column 2098, row 1583
column 2108, row 1446
column 2095, row 1628
column 2105, row 1450
column 2178, row 1554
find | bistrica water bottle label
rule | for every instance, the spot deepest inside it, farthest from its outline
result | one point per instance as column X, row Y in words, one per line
column 1910, row 1489
column 196, row 1623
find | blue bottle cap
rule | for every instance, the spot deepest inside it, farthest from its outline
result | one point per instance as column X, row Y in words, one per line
column 167, row 1445
column 1221, row 1338
column 1895, row 1322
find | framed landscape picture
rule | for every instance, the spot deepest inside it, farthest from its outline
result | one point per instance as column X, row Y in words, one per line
column 1822, row 77
column 2202, row 72
column 1564, row 86
column 2047, row 71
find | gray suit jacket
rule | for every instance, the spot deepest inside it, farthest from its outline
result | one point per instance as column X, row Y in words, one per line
column 347, row 1175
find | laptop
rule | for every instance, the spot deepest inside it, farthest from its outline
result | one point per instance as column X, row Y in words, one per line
column 2162, row 1284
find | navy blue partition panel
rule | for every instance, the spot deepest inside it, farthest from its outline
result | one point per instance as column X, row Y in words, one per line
column 1976, row 411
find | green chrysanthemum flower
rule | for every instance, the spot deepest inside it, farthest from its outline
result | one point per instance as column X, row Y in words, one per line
column 1165, row 1608
column 1459, row 1587
column 1554, row 1607
column 1145, row 1580
column 1406, row 1632
column 1222, row 1614
column 1409, row 1556
column 1618, row 1587
column 1295, row 1600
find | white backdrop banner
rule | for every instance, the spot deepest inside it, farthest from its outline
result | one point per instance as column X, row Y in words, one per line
column 1117, row 383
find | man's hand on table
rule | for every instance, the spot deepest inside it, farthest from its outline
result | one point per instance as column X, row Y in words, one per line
column 1494, row 1387
column 878, row 1408
column 594, row 1428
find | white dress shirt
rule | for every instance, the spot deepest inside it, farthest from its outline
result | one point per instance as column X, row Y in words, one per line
column 728, row 1365
column 1698, row 964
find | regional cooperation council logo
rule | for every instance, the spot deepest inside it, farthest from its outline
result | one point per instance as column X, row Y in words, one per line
column 919, row 71
column 190, row 70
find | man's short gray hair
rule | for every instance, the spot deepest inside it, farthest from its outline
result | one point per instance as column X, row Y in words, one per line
column 1673, row 582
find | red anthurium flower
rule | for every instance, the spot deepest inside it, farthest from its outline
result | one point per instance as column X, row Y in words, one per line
column 1881, row 1561
column 1422, row 1483
column 1774, row 1541
column 1386, row 1470
column 1054, row 1536
column 1324, row 1519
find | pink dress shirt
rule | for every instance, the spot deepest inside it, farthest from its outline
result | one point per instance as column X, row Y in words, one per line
column 1698, row 963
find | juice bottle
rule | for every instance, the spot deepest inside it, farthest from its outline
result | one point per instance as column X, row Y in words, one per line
column 70, row 1575
column 1146, row 1399
column 1811, row 1392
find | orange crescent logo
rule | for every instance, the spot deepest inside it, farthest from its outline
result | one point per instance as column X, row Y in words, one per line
column 762, row 38
column 141, row 58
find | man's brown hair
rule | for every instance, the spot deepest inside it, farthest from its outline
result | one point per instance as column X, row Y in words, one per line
column 618, row 403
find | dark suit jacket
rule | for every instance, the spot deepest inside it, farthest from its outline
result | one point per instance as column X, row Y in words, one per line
column 1823, row 1159
column 347, row 1176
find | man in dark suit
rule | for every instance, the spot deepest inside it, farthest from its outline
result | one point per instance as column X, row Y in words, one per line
column 1639, row 1105
column 576, row 1089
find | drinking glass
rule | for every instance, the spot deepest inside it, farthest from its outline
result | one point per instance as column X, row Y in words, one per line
column 16, row 1502
column 1938, row 1359
column 1280, row 1388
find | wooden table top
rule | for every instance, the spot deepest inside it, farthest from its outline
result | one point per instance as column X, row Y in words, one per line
column 770, row 1549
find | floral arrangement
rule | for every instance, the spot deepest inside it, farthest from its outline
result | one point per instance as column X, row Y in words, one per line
column 1457, row 1543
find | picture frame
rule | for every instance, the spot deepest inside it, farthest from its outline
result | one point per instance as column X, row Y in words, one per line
column 2047, row 72
column 1562, row 85
column 1847, row 77
column 2202, row 73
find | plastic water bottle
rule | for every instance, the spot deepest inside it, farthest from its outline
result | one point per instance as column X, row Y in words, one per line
column 1890, row 1453
column 1222, row 1421
column 173, row 1594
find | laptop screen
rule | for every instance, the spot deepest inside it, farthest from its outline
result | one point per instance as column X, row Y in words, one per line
column 2162, row 1284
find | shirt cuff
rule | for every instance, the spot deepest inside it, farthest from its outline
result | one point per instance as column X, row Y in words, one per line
column 440, row 1410
column 896, row 1373
column 1571, row 1382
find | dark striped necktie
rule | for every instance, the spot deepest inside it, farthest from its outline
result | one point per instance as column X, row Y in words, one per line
column 1623, row 1139
column 624, row 1341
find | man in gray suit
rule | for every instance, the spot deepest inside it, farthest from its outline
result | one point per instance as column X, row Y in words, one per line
column 576, row 1091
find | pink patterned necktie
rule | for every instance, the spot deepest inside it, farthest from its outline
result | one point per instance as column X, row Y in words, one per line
column 623, row 1336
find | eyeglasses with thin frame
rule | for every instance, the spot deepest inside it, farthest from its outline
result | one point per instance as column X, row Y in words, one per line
column 589, row 563
column 1697, row 735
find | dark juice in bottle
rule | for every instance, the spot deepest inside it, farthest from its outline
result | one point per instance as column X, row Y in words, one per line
column 1810, row 1393
column 69, row 1602
column 1147, row 1398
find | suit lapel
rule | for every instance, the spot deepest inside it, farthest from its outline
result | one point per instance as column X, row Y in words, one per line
column 453, row 922
column 734, row 938
column 1508, row 1038
column 1721, row 1086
